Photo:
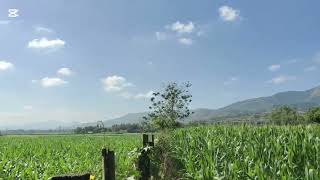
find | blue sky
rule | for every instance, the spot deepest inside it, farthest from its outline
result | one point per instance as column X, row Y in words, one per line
column 94, row 60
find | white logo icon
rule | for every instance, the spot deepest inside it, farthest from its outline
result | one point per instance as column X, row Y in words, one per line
column 13, row 13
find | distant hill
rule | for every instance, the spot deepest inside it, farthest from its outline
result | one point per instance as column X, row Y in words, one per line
column 129, row 118
column 302, row 100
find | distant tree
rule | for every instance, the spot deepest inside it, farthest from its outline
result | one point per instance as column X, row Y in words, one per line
column 170, row 105
column 313, row 115
column 285, row 115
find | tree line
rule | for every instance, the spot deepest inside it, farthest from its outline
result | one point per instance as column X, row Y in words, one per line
column 117, row 128
column 286, row 115
column 171, row 105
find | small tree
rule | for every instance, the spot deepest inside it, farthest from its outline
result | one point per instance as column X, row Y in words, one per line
column 169, row 106
column 285, row 115
column 313, row 115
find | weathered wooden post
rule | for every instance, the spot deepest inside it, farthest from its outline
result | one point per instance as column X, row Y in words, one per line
column 145, row 140
column 152, row 140
column 144, row 160
column 108, row 165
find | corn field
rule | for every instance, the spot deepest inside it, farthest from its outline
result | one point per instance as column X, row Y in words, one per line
column 212, row 152
column 41, row 157
column 248, row 152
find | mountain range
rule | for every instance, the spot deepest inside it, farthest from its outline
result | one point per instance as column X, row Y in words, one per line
column 301, row 100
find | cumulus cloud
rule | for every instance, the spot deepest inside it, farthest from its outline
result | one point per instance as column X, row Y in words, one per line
column 185, row 41
column 282, row 79
column 52, row 82
column 230, row 80
column 129, row 95
column 64, row 72
column 274, row 67
column 181, row 27
column 45, row 43
column 228, row 13
column 115, row 83
column 147, row 95
column 161, row 36
column 183, row 33
column 4, row 65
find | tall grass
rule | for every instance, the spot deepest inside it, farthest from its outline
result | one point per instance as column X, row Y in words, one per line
column 248, row 152
column 41, row 157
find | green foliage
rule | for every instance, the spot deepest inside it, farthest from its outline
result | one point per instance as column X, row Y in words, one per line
column 169, row 106
column 248, row 152
column 285, row 115
column 164, row 165
column 41, row 157
column 314, row 115
column 129, row 128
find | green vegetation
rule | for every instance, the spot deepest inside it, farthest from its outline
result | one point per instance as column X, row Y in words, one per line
column 208, row 152
column 247, row 152
column 285, row 115
column 117, row 128
column 313, row 115
column 40, row 157
column 169, row 106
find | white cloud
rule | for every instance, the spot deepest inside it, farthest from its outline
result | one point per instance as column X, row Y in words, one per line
column 310, row 68
column 119, row 84
column 230, row 80
column 4, row 65
column 144, row 95
column 28, row 107
column 227, row 13
column 40, row 29
column 64, row 72
column 34, row 81
column 115, row 83
column 274, row 67
column 161, row 36
column 181, row 27
column 129, row 95
column 282, row 79
column 51, row 82
column 185, row 41
column 44, row 43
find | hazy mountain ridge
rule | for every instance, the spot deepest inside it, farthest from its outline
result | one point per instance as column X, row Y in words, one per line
column 302, row 100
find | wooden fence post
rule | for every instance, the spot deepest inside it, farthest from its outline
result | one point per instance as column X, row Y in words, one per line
column 145, row 140
column 152, row 140
column 144, row 160
column 108, row 165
